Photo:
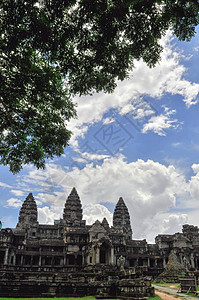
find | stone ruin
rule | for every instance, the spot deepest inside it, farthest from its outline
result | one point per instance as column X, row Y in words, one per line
column 71, row 258
column 173, row 270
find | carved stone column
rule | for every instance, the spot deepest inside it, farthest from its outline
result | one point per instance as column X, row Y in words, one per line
column 40, row 260
column 64, row 258
column 31, row 260
column 164, row 262
column 112, row 256
column 6, row 256
column 148, row 262
column 97, row 255
column 156, row 262
column 192, row 261
column 14, row 259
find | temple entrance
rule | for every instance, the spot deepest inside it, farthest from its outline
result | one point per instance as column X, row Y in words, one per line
column 102, row 256
column 2, row 253
column 105, row 253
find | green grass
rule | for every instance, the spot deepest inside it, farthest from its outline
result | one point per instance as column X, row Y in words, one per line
column 154, row 298
column 192, row 295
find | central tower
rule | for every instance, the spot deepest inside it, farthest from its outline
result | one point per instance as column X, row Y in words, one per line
column 121, row 218
column 73, row 210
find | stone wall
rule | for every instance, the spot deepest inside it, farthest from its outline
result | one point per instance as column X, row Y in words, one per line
column 71, row 258
column 107, row 282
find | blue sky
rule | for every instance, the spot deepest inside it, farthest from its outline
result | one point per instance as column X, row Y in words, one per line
column 140, row 143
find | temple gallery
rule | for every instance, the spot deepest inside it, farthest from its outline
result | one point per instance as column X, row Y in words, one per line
column 73, row 258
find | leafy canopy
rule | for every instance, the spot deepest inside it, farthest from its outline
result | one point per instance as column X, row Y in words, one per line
column 51, row 50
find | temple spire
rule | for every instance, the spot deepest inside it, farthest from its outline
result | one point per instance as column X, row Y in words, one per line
column 74, row 192
column 121, row 218
column 72, row 214
column 28, row 213
column 105, row 224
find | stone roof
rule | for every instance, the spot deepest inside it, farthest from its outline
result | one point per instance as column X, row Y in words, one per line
column 48, row 226
column 18, row 231
column 97, row 227
column 137, row 243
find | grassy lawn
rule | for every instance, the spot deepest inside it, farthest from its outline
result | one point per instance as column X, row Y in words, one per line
column 154, row 298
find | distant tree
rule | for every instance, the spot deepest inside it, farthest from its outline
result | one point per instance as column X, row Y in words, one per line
column 51, row 50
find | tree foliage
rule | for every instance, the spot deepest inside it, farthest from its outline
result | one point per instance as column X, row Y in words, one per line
column 51, row 50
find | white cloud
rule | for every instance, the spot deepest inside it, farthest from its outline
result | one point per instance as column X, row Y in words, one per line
column 17, row 192
column 140, row 108
column 13, row 202
column 5, row 185
column 56, row 199
column 34, row 177
column 195, row 168
column 166, row 77
column 196, row 49
column 174, row 223
column 93, row 212
column 158, row 124
column 108, row 121
column 177, row 144
column 79, row 159
column 93, row 156
column 166, row 223
column 47, row 216
column 194, row 185
column 48, row 180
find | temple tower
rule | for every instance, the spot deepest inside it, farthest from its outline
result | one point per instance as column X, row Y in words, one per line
column 105, row 224
column 73, row 210
column 28, row 213
column 121, row 218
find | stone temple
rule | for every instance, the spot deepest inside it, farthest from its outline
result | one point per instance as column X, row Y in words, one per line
column 71, row 258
